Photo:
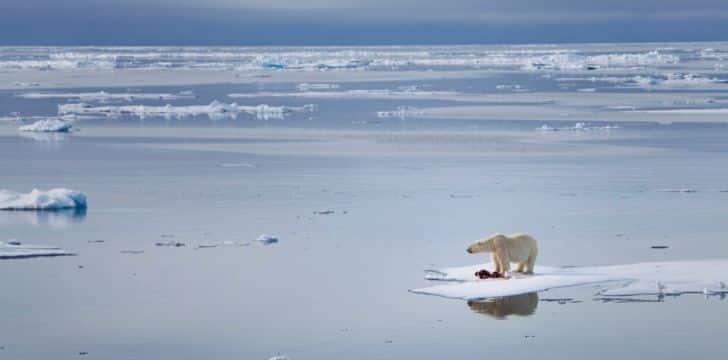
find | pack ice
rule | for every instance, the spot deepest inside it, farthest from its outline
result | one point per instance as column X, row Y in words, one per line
column 54, row 199
column 707, row 277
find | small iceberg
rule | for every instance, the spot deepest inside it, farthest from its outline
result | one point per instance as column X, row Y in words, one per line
column 54, row 199
column 14, row 249
column 48, row 125
column 267, row 239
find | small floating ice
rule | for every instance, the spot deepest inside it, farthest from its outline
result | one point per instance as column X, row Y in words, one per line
column 54, row 199
column 578, row 127
column 103, row 96
column 48, row 125
column 14, row 249
column 402, row 112
column 320, row 86
column 683, row 190
column 657, row 278
column 234, row 165
column 280, row 357
column 267, row 239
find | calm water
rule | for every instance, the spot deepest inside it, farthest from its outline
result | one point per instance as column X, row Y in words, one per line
column 407, row 194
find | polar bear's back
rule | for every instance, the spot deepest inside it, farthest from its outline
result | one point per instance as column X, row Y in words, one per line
column 522, row 246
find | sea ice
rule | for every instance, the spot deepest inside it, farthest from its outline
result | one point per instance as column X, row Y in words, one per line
column 580, row 126
column 14, row 249
column 320, row 86
column 267, row 239
column 48, row 125
column 54, row 199
column 213, row 110
column 103, row 96
column 402, row 112
column 656, row 278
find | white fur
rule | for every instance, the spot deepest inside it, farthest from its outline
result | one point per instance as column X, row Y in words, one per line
column 518, row 248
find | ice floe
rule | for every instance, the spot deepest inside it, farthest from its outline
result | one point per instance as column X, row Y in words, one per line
column 102, row 96
column 48, row 125
column 402, row 112
column 14, row 249
column 267, row 239
column 314, row 86
column 213, row 110
column 54, row 199
column 355, row 94
column 580, row 126
column 690, row 190
column 653, row 278
column 236, row 165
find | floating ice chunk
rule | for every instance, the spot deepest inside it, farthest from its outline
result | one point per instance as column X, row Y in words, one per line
column 26, row 84
column 402, row 112
column 214, row 110
column 683, row 190
column 514, row 87
column 14, row 249
column 690, row 111
column 659, row 278
column 224, row 243
column 358, row 94
column 103, row 96
column 280, row 357
column 267, row 239
column 48, row 125
column 578, row 127
column 233, row 165
column 54, row 199
column 321, row 86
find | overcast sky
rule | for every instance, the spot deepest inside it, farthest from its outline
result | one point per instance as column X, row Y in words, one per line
column 340, row 22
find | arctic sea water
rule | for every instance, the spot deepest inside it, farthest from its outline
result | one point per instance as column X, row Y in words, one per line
column 409, row 154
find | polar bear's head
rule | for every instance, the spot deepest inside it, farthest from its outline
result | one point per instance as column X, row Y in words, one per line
column 485, row 245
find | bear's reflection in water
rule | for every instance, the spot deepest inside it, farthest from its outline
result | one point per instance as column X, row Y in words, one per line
column 500, row 308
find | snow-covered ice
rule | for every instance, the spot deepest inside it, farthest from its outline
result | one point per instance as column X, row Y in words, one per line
column 48, row 125
column 14, row 249
column 653, row 278
column 54, row 199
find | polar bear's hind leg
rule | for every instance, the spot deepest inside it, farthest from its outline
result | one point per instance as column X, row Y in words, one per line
column 530, row 263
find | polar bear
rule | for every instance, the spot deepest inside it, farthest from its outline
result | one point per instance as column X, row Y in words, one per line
column 518, row 248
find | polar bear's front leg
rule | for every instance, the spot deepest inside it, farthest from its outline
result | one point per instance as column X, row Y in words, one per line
column 503, row 259
column 496, row 263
